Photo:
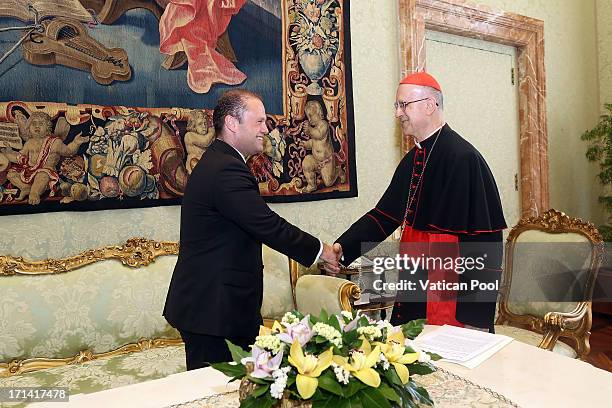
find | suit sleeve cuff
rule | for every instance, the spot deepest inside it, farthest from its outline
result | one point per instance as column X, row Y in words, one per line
column 319, row 253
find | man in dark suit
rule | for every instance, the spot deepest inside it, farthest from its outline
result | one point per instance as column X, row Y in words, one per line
column 216, row 290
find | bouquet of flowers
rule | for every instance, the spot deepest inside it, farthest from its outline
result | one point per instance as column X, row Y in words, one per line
column 346, row 360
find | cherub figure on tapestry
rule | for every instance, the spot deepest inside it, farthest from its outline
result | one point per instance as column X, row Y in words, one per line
column 34, row 168
column 322, row 158
column 198, row 137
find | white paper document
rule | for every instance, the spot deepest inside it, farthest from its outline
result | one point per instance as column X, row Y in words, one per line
column 462, row 346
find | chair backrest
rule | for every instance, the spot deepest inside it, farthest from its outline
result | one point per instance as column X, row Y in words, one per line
column 280, row 275
column 551, row 264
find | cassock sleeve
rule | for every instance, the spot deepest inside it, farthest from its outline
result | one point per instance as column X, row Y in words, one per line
column 380, row 222
column 237, row 198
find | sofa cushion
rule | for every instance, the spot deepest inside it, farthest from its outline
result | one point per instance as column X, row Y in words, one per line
column 105, row 373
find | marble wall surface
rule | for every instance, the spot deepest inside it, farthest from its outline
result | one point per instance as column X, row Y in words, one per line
column 463, row 18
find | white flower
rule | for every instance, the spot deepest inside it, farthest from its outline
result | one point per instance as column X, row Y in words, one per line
column 383, row 324
column 384, row 361
column 280, row 382
column 328, row 332
column 290, row 318
column 423, row 356
column 342, row 375
column 269, row 342
column 370, row 332
column 347, row 314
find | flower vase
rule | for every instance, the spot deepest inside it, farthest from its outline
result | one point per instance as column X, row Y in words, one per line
column 315, row 64
column 247, row 387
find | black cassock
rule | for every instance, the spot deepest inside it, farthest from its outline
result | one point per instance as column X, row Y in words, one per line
column 445, row 194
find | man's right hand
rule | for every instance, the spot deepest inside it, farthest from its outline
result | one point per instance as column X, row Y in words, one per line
column 331, row 258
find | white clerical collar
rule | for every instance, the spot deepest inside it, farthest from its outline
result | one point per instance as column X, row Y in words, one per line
column 430, row 135
column 241, row 155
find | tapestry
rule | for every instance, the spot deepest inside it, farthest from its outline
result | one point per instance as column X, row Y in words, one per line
column 108, row 104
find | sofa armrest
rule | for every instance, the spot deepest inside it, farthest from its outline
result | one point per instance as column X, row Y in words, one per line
column 316, row 292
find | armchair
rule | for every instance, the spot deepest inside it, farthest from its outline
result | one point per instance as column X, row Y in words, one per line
column 551, row 264
column 287, row 286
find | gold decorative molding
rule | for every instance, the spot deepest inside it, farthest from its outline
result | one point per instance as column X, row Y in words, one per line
column 574, row 325
column 17, row 367
column 557, row 222
column 527, row 35
column 294, row 272
column 135, row 252
column 349, row 294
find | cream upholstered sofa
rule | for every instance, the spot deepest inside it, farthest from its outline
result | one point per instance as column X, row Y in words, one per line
column 94, row 321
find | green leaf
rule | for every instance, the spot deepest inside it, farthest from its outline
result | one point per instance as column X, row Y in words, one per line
column 235, row 371
column 417, row 393
column 350, row 337
column 405, row 397
column 354, row 402
column 250, row 402
column 330, row 384
column 393, row 378
column 421, row 368
column 267, row 401
column 413, row 328
column 352, row 387
column 362, row 322
column 328, row 401
column 261, row 390
column 238, row 353
column 323, row 316
column 320, row 339
column 389, row 393
column 333, row 322
column 372, row 398
column 435, row 357
column 258, row 380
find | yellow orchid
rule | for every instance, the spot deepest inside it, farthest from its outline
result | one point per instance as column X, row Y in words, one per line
column 394, row 350
column 276, row 328
column 361, row 362
column 309, row 368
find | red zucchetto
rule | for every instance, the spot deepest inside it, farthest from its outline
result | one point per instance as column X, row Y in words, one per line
column 422, row 79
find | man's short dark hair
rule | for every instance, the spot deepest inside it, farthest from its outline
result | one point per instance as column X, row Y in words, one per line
column 231, row 103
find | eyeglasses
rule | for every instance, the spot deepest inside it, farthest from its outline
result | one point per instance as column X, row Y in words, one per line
column 404, row 104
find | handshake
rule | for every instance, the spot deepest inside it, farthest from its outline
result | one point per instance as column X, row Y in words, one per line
column 330, row 257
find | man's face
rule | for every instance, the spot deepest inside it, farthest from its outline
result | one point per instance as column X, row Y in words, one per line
column 414, row 116
column 252, row 128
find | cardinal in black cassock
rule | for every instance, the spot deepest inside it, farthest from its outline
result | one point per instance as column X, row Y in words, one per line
column 444, row 197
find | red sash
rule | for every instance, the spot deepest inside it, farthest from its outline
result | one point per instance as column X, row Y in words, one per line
column 440, row 310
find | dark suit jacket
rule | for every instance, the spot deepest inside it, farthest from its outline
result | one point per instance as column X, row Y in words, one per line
column 217, row 285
